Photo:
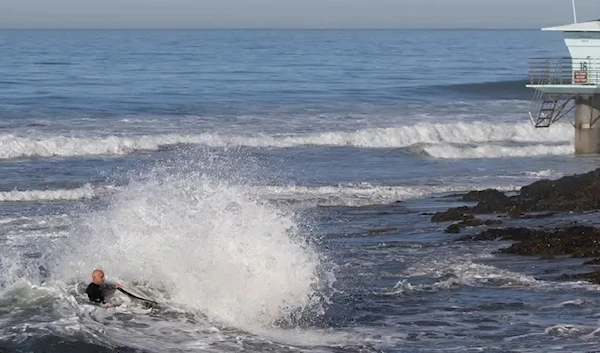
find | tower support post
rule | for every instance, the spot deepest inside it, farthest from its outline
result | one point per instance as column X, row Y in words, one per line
column 587, row 124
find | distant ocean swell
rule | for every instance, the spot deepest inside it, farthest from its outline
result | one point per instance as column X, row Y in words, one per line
column 436, row 137
column 511, row 90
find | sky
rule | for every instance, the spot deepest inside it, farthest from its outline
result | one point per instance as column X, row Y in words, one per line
column 292, row 13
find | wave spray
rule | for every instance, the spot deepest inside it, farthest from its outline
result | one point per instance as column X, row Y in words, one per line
column 212, row 245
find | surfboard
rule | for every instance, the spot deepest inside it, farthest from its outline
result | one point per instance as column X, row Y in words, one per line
column 137, row 295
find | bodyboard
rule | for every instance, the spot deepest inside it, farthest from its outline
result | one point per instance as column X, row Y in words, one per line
column 137, row 295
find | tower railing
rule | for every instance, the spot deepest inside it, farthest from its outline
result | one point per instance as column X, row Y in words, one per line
column 564, row 71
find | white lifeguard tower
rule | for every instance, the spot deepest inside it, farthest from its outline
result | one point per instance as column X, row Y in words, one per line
column 564, row 85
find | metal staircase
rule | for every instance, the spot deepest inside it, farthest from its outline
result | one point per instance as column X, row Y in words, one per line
column 547, row 108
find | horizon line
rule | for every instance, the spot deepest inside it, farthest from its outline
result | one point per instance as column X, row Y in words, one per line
column 269, row 28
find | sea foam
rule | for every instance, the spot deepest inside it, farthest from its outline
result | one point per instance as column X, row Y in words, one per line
column 213, row 246
column 436, row 136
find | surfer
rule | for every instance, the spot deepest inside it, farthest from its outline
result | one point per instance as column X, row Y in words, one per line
column 96, row 289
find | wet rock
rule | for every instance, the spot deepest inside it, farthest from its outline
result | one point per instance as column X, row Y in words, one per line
column 516, row 234
column 476, row 222
column 575, row 241
column 578, row 241
column 578, row 193
column 492, row 222
column 471, row 222
column 453, row 228
column 489, row 195
column 453, row 214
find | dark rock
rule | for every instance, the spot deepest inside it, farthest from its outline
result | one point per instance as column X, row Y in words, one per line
column 577, row 193
column 484, row 195
column 578, row 241
column 453, row 214
column 472, row 222
column 453, row 228
column 516, row 234
column 542, row 199
column 476, row 222
column 492, row 222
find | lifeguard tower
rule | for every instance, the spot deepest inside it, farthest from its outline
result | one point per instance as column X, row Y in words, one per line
column 564, row 85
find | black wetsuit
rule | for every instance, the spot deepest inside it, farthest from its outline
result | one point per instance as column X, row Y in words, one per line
column 95, row 293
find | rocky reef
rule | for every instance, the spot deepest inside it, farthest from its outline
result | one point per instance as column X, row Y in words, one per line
column 573, row 241
column 545, row 198
column 577, row 193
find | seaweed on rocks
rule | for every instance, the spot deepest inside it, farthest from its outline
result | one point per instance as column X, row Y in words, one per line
column 577, row 241
column 576, row 193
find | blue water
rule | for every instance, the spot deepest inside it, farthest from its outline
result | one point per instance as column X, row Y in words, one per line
column 249, row 181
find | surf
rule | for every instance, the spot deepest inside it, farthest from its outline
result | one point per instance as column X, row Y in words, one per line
column 204, row 244
column 15, row 147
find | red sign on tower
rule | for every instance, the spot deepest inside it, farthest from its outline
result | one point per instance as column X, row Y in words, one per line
column 580, row 77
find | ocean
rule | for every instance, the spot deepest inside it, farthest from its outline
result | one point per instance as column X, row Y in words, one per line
column 273, row 189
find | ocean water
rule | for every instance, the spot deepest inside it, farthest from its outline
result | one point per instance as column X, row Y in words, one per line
column 271, row 189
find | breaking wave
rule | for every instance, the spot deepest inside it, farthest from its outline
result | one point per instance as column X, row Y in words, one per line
column 12, row 146
column 217, row 248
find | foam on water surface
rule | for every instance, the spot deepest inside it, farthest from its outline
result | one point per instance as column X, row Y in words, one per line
column 214, row 247
column 13, row 146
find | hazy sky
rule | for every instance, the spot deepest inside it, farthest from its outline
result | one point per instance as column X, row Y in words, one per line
column 290, row 13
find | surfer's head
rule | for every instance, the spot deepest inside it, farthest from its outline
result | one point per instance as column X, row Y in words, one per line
column 98, row 277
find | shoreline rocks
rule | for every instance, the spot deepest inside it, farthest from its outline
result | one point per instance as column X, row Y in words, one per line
column 455, row 228
column 574, row 241
column 542, row 199
column 576, row 193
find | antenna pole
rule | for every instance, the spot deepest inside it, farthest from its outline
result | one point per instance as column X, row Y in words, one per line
column 574, row 12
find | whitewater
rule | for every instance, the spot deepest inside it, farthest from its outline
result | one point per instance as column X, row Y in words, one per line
column 436, row 137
